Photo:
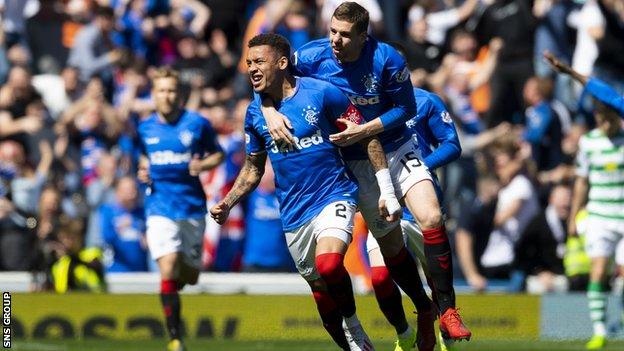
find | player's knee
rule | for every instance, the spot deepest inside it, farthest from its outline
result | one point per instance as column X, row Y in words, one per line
column 392, row 243
column 381, row 279
column 193, row 276
column 330, row 266
column 430, row 219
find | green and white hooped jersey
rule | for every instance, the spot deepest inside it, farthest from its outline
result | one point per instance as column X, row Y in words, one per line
column 601, row 160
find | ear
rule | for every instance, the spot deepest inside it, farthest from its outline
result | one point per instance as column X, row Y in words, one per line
column 363, row 36
column 283, row 62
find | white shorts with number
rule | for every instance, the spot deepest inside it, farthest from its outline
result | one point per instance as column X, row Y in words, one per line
column 335, row 220
column 602, row 238
column 406, row 169
column 165, row 236
column 413, row 237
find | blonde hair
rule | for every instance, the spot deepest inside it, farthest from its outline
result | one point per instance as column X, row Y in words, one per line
column 165, row 72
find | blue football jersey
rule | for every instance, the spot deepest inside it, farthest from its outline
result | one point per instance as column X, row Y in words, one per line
column 174, row 193
column 435, row 132
column 311, row 174
column 377, row 84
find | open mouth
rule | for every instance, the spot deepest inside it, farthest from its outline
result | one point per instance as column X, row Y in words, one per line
column 256, row 79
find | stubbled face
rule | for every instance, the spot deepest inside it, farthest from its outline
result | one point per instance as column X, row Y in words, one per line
column 531, row 92
column 561, row 199
column 165, row 95
column 127, row 193
column 501, row 160
column 345, row 41
column 465, row 46
column 262, row 67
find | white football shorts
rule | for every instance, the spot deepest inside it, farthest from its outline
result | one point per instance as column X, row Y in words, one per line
column 602, row 238
column 413, row 237
column 335, row 220
column 165, row 236
column 406, row 169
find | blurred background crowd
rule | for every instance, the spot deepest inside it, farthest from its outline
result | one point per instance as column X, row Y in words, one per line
column 74, row 78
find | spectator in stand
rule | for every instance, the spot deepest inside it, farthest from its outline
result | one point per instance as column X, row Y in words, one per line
column 94, row 123
column 59, row 92
column 197, row 65
column 93, row 52
column 15, row 96
column 513, row 22
column 14, row 16
column 517, row 204
column 77, row 268
column 438, row 19
column 543, row 127
column 474, row 226
column 554, row 35
column 123, row 229
column 609, row 65
column 265, row 247
column 98, row 193
column 422, row 56
column 540, row 249
column 588, row 23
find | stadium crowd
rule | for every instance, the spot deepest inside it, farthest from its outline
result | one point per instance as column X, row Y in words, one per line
column 74, row 78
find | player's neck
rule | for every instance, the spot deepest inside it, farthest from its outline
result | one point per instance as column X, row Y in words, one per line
column 285, row 90
column 171, row 117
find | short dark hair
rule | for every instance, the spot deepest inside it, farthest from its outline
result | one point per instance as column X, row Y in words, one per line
column 399, row 47
column 353, row 12
column 105, row 11
column 276, row 41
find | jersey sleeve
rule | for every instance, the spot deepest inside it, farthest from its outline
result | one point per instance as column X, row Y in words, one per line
column 582, row 161
column 208, row 137
column 398, row 87
column 336, row 105
column 606, row 94
column 254, row 143
column 298, row 66
column 441, row 125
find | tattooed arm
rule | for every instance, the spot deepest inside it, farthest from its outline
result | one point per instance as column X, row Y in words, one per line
column 389, row 206
column 247, row 180
column 375, row 153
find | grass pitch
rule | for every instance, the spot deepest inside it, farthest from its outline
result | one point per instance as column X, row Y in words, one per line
column 228, row 345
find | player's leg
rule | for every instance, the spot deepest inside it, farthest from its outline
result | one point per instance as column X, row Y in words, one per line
column 169, row 297
column 329, row 312
column 401, row 265
column 164, row 243
column 600, row 243
column 192, row 236
column 415, row 186
column 597, row 300
column 302, row 247
column 414, row 241
column 333, row 231
column 389, row 297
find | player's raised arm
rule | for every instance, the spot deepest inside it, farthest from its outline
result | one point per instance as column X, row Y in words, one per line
column 247, row 180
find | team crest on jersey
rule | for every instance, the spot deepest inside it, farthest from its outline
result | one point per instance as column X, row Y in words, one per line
column 402, row 75
column 370, row 83
column 186, row 137
column 411, row 123
column 446, row 117
column 310, row 114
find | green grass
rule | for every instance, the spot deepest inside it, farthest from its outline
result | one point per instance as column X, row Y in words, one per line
column 229, row 345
